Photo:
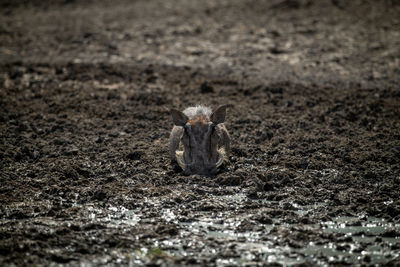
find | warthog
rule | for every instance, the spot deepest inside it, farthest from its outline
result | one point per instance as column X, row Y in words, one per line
column 206, row 142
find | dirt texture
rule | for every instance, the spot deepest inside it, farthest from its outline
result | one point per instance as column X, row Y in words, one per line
column 85, row 93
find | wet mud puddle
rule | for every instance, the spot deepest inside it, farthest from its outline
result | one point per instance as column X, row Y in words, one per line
column 237, row 230
column 240, row 235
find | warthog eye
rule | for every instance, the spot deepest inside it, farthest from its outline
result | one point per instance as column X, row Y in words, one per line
column 211, row 126
column 187, row 128
column 214, row 133
column 186, row 134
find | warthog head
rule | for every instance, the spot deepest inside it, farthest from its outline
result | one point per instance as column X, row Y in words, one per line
column 201, row 132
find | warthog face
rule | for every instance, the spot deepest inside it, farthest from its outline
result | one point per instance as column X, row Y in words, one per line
column 201, row 132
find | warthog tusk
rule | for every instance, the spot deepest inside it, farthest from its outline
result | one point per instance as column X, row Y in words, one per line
column 221, row 158
column 179, row 159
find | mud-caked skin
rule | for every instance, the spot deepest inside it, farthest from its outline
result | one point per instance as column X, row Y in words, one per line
column 206, row 142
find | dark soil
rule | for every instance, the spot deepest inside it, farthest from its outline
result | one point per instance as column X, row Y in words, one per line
column 85, row 93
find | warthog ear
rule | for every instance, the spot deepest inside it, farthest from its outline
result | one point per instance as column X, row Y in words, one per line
column 178, row 117
column 219, row 115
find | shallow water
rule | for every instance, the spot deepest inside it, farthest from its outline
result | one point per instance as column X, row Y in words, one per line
column 235, row 235
column 362, row 237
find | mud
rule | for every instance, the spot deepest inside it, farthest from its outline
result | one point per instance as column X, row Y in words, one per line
column 314, row 174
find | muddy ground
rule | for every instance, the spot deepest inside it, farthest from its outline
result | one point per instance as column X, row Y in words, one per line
column 85, row 93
